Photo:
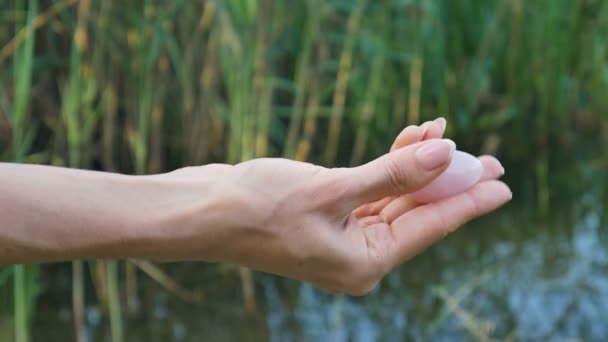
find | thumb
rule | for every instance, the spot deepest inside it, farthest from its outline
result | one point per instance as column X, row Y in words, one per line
column 399, row 172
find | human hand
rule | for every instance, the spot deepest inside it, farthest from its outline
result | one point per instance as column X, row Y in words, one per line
column 342, row 229
column 391, row 207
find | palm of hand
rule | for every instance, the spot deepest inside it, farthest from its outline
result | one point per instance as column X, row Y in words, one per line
column 314, row 233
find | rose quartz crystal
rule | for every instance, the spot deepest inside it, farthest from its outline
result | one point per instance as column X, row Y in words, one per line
column 463, row 172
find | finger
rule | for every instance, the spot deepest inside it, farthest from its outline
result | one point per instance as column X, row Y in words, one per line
column 396, row 208
column 435, row 129
column 396, row 173
column 409, row 135
column 492, row 169
column 443, row 123
column 399, row 206
column 414, row 134
column 419, row 228
column 373, row 208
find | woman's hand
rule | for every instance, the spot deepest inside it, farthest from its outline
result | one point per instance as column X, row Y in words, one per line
column 341, row 229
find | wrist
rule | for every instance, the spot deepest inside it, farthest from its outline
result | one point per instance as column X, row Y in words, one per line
column 199, row 214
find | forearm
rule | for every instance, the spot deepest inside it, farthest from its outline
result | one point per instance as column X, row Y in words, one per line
column 50, row 214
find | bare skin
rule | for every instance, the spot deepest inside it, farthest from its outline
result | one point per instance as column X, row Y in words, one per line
column 340, row 229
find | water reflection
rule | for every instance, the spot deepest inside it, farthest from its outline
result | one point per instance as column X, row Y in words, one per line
column 489, row 281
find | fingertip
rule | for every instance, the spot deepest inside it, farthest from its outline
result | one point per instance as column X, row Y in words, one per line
column 425, row 128
column 493, row 169
column 413, row 134
column 441, row 121
column 506, row 190
column 491, row 194
column 433, row 130
column 409, row 135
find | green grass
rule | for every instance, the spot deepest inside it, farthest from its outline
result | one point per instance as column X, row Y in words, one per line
column 149, row 86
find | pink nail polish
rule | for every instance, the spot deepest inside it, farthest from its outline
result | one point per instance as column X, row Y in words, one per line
column 435, row 153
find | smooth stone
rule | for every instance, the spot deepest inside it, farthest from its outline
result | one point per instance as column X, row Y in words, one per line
column 463, row 172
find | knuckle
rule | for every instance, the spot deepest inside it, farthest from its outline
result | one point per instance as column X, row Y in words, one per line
column 442, row 227
column 473, row 207
column 396, row 175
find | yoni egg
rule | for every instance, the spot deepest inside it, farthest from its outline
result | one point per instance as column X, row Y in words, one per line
column 463, row 172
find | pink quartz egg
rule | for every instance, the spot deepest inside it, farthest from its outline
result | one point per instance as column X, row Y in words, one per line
column 463, row 172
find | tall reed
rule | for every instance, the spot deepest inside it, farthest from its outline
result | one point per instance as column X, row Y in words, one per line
column 316, row 10
column 342, row 79
column 80, row 120
column 369, row 94
column 25, row 282
column 238, row 49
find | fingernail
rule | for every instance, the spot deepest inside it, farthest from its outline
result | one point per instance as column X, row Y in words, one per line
column 435, row 153
column 442, row 122
column 425, row 127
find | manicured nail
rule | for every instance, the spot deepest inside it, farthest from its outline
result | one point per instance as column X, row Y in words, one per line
column 442, row 122
column 425, row 128
column 435, row 153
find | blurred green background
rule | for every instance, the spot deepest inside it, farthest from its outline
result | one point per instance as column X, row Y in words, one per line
column 148, row 86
